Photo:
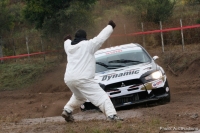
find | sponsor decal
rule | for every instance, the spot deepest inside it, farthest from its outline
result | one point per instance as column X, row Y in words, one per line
column 116, row 75
column 156, row 84
column 114, row 51
column 148, row 68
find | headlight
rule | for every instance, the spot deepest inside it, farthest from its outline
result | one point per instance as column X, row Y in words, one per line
column 154, row 75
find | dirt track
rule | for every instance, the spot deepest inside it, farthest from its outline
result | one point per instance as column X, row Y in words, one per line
column 47, row 98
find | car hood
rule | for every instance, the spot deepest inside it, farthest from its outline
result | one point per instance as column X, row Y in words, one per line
column 125, row 73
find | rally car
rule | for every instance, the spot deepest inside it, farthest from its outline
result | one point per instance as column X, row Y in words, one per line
column 130, row 76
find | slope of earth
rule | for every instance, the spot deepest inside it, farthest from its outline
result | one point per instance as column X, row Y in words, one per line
column 44, row 102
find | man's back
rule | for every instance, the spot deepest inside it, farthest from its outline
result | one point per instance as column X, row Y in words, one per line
column 81, row 60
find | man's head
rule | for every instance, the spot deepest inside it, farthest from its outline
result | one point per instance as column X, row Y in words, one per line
column 80, row 34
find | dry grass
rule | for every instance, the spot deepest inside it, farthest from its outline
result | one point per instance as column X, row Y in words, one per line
column 174, row 58
column 26, row 70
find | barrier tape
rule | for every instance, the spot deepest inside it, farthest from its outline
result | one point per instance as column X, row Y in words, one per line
column 20, row 56
column 25, row 55
column 129, row 34
column 157, row 31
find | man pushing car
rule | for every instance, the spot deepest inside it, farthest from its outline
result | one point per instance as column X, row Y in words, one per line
column 80, row 73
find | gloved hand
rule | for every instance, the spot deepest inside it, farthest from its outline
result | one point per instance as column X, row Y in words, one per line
column 67, row 37
column 112, row 24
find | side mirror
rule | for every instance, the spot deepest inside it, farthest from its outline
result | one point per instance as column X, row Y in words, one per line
column 155, row 57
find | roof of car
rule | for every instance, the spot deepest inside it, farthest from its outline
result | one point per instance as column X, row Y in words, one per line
column 124, row 46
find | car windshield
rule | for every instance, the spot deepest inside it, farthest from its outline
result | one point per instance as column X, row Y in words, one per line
column 124, row 58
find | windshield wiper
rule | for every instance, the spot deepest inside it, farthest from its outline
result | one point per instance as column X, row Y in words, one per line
column 124, row 61
column 108, row 66
column 102, row 64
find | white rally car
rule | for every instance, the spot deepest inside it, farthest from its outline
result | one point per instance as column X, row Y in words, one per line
column 130, row 76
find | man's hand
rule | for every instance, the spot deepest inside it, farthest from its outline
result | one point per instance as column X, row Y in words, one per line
column 112, row 24
column 67, row 37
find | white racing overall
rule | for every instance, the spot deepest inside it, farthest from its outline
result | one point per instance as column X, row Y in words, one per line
column 80, row 73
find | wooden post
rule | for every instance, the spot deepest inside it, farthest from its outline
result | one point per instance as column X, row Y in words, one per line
column 42, row 48
column 14, row 49
column 161, row 34
column 125, row 32
column 182, row 35
column 1, row 51
column 27, row 47
column 143, row 36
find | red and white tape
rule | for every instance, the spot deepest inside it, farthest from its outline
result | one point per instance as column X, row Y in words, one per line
column 25, row 55
column 158, row 31
column 116, row 35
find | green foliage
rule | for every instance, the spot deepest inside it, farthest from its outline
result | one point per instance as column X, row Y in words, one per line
column 155, row 10
column 198, row 21
column 192, row 2
column 6, row 19
column 54, row 16
column 16, row 12
column 11, row 19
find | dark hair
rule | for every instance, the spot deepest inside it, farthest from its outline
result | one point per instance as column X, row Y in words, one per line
column 80, row 34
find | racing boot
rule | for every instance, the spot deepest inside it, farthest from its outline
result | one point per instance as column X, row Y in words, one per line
column 68, row 116
column 114, row 118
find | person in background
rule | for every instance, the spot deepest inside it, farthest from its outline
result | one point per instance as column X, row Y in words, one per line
column 80, row 73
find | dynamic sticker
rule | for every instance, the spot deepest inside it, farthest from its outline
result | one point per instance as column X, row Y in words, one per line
column 116, row 75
